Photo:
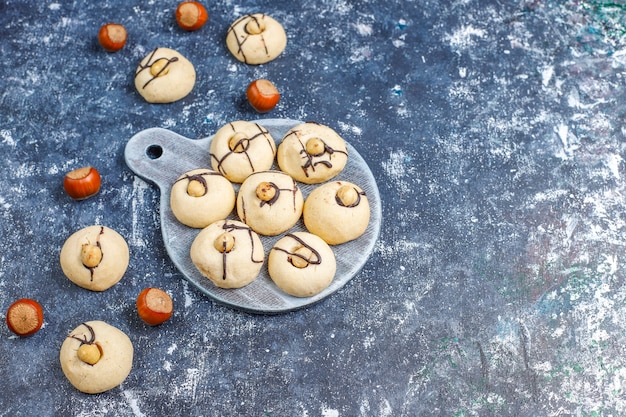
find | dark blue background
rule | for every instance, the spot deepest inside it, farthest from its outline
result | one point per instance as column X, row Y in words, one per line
column 494, row 130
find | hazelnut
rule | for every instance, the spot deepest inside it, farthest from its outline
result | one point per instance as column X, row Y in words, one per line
column 347, row 195
column 160, row 67
column 25, row 317
column 91, row 255
column 196, row 188
column 82, row 183
column 225, row 242
column 154, row 306
column 300, row 257
column 238, row 142
column 255, row 26
column 89, row 353
column 112, row 37
column 262, row 95
column 191, row 15
column 315, row 146
column 265, row 191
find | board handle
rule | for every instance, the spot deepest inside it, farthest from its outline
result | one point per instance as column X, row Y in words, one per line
column 152, row 153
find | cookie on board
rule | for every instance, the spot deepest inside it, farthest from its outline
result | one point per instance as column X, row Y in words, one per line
column 301, row 264
column 312, row 153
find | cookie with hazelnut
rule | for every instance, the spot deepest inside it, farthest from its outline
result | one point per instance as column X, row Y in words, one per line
column 241, row 148
column 95, row 258
column 164, row 76
column 256, row 38
column 312, row 153
column 270, row 202
column 301, row 264
column 338, row 212
column 200, row 197
column 229, row 253
column 96, row 357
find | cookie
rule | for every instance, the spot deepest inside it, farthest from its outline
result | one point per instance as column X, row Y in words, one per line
column 95, row 258
column 164, row 76
column 240, row 148
column 338, row 212
column 200, row 197
column 270, row 202
column 96, row 357
column 229, row 253
column 301, row 264
column 312, row 153
column 256, row 39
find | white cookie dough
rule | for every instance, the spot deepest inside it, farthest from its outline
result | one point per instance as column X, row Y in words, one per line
column 96, row 357
column 256, row 39
column 200, row 197
column 312, row 153
column 229, row 253
column 240, row 148
column 164, row 76
column 301, row 264
column 337, row 212
column 270, row 202
column 95, row 258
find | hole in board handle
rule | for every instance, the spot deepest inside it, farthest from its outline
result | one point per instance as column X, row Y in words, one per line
column 154, row 151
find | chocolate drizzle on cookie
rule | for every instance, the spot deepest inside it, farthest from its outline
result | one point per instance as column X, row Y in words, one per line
column 89, row 351
column 244, row 35
column 198, row 177
column 150, row 62
column 275, row 197
column 99, row 246
column 316, row 259
column 273, row 200
column 84, row 341
column 312, row 160
column 242, row 146
column 229, row 228
column 277, row 193
column 358, row 194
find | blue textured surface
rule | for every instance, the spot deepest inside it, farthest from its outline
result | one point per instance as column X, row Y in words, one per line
column 495, row 132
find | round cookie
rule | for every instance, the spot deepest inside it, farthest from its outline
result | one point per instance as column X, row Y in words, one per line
column 164, row 76
column 240, row 148
column 312, row 153
column 337, row 212
column 95, row 258
column 301, row 264
column 229, row 253
column 200, row 197
column 96, row 357
column 256, row 39
column 270, row 202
